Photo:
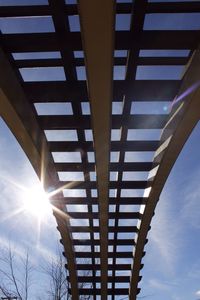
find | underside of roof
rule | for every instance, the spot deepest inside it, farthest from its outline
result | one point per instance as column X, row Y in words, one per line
column 93, row 92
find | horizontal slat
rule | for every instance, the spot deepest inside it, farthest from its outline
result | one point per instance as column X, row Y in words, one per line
column 33, row 10
column 186, row 7
column 146, row 90
column 71, row 167
column 35, row 63
column 120, row 267
column 54, row 91
column 31, row 42
column 77, row 185
column 83, row 122
column 98, row 279
column 168, row 39
column 119, row 291
column 110, row 229
column 97, row 255
column 159, row 61
column 112, row 215
column 97, row 242
column 124, row 8
column 138, row 166
column 115, row 146
column 87, row 201
column 20, row 11
column 143, row 90
column 183, row 7
column 140, row 184
column 44, row 10
column 160, row 39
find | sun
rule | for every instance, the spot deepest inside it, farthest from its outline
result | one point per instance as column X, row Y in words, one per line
column 36, row 201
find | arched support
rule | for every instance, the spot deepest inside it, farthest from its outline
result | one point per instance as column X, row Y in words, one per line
column 97, row 29
column 182, row 120
column 20, row 118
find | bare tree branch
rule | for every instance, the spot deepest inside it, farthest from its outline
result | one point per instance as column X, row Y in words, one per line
column 55, row 270
column 59, row 286
column 12, row 282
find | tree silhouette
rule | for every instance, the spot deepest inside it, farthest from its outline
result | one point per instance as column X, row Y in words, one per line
column 15, row 274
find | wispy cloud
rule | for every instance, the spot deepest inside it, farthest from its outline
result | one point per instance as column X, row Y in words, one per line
column 167, row 234
column 175, row 297
column 16, row 249
column 46, row 253
column 167, row 238
column 194, row 270
column 36, row 254
column 157, row 284
column 189, row 209
column 197, row 294
column 164, row 236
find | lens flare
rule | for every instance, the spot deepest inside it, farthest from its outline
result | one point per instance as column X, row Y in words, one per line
column 190, row 90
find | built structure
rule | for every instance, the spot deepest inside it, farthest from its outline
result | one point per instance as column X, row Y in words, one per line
column 95, row 140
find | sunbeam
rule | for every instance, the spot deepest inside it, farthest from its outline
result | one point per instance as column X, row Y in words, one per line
column 34, row 201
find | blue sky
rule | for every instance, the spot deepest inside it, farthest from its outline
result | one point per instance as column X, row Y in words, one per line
column 21, row 230
column 172, row 263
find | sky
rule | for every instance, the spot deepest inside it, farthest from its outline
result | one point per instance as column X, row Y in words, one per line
column 19, row 228
column 172, row 262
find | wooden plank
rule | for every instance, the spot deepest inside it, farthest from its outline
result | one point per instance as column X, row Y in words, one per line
column 97, row 229
column 132, row 122
column 71, row 167
column 129, row 242
column 97, row 19
column 112, row 201
column 112, row 215
column 175, row 39
column 75, row 146
column 61, row 91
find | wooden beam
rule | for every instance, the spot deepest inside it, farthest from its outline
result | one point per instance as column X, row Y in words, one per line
column 97, row 24
column 87, row 146
column 143, row 90
column 151, row 39
column 132, row 122
column 183, row 119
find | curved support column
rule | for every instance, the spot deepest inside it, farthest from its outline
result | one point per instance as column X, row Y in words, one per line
column 20, row 118
column 182, row 120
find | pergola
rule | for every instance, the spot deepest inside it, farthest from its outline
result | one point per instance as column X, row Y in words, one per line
column 73, row 89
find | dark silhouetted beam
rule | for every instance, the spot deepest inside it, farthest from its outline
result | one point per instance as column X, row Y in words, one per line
column 115, row 146
column 110, row 229
column 133, row 122
column 71, row 167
